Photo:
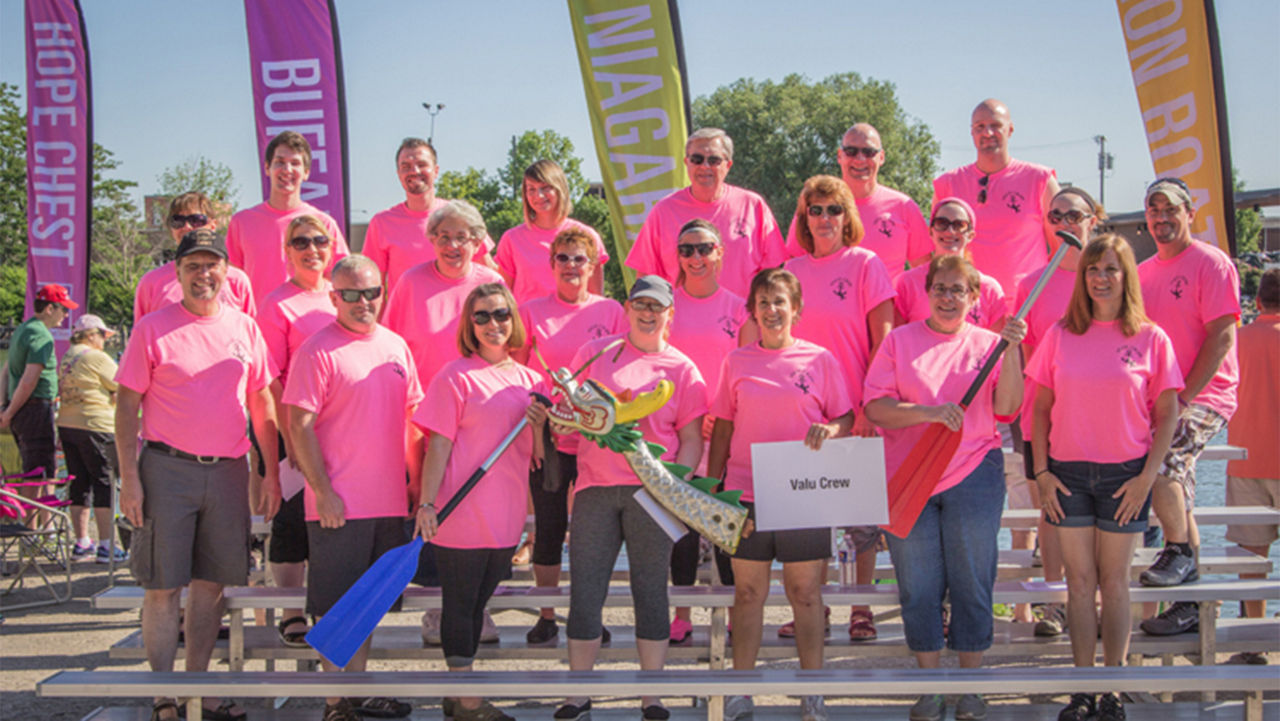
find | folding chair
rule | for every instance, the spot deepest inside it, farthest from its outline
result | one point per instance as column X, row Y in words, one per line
column 34, row 548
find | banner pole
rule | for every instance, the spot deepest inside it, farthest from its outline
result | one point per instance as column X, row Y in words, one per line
column 1224, row 132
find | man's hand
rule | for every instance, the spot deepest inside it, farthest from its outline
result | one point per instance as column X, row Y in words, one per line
column 331, row 509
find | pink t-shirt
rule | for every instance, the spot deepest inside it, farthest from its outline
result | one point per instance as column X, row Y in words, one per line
column 361, row 388
column 917, row 364
column 424, row 309
column 706, row 330
column 558, row 329
column 750, row 235
column 255, row 242
column 639, row 372
column 1047, row 310
column 895, row 230
column 476, row 405
column 160, row 287
column 194, row 373
column 1185, row 293
column 289, row 316
column 839, row 291
column 1009, row 242
column 912, row 301
column 775, row 395
column 524, row 254
column 397, row 240
column 1130, row 373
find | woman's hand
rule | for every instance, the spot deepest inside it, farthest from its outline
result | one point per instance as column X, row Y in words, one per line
column 819, row 432
column 863, row 428
column 950, row 415
column 1133, row 496
column 426, row 524
column 1015, row 329
column 1050, row 487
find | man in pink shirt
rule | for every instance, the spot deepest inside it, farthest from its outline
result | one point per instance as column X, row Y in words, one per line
column 160, row 287
column 397, row 237
column 255, row 237
column 1191, row 289
column 751, row 238
column 351, row 390
column 896, row 231
column 192, row 368
column 1010, row 197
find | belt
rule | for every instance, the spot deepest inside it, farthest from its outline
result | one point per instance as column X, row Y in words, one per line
column 176, row 453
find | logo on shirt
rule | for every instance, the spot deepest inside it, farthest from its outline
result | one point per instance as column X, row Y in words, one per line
column 1178, row 286
column 239, row 351
column 726, row 325
column 395, row 366
column 740, row 228
column 885, row 225
column 840, row 286
column 975, row 316
column 597, row 331
column 1014, row 200
column 802, row 380
column 1129, row 355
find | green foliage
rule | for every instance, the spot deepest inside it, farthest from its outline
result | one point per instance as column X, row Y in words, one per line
column 121, row 251
column 1248, row 226
column 1249, row 278
column 13, row 180
column 784, row 132
column 13, row 292
column 212, row 178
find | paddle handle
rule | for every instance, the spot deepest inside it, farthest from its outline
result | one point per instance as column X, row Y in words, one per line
column 989, row 364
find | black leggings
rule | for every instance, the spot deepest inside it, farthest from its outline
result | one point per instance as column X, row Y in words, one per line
column 551, row 511
column 468, row 577
column 684, row 562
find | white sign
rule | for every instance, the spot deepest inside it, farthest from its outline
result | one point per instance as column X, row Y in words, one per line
column 843, row 484
column 291, row 480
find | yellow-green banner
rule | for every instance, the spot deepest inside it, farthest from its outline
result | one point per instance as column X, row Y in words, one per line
column 1172, row 46
column 630, row 55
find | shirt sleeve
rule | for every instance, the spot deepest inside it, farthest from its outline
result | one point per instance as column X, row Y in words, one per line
column 919, row 243
column 601, row 250
column 644, row 257
column 1040, row 366
column 772, row 247
column 307, row 381
column 725, row 404
column 135, row 364
column 506, row 256
column 793, row 248
column 261, row 371
column 881, row 380
column 693, row 395
column 1166, row 374
column 275, row 334
column 413, row 391
column 1219, row 289
column 242, row 290
column 442, row 407
column 876, row 286
column 235, row 243
column 105, row 369
column 340, row 249
column 836, row 400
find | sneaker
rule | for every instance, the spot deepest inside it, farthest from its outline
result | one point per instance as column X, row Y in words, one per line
column 1053, row 620
column 1110, row 708
column 569, row 712
column 1171, row 568
column 788, row 629
column 485, row 712
column 813, row 708
column 681, row 631
column 929, row 708
column 380, row 707
column 448, row 705
column 655, row 712
column 544, row 631
column 1181, row 617
column 605, row 637
column 489, row 630
column 341, row 711
column 1251, row 658
column 431, row 627
column 739, row 708
column 1081, row 708
column 82, row 553
column 104, row 555
column 971, row 707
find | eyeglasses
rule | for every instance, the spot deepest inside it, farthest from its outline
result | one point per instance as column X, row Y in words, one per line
column 982, row 194
column 1074, row 217
column 195, row 220
column 852, row 151
column 566, row 259
column 543, row 191
column 482, row 317
column 354, row 295
column 942, row 291
column 687, row 250
column 835, row 210
column 712, row 160
column 650, row 306
column 942, row 225
column 302, row 242
column 458, row 240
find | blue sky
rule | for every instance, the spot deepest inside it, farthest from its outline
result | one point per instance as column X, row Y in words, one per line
column 171, row 79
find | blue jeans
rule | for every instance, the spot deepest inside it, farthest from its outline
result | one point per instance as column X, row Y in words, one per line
column 1092, row 487
column 952, row 548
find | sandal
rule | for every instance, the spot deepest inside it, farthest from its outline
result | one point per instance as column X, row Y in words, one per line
column 222, row 713
column 293, row 639
column 862, row 625
column 380, row 707
column 161, row 706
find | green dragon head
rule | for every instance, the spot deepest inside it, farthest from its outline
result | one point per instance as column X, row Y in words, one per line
column 603, row 416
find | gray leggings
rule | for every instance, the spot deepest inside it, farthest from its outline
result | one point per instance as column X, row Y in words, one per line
column 604, row 517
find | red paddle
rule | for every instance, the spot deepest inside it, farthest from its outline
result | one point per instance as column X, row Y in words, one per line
column 912, row 486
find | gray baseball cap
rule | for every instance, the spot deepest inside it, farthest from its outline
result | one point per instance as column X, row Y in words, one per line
column 653, row 286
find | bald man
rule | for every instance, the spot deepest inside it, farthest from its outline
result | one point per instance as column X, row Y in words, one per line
column 1009, row 197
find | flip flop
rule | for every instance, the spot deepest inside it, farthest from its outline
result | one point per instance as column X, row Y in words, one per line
column 293, row 639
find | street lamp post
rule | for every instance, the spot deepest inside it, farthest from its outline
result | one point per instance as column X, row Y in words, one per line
column 433, row 111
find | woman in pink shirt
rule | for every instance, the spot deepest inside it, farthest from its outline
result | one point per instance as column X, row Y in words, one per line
column 1096, row 462
column 952, row 227
column 469, row 407
column 779, row 389
column 523, row 249
column 558, row 325
column 711, row 322
column 289, row 315
column 917, row 379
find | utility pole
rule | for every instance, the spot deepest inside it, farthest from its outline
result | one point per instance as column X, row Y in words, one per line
column 433, row 111
column 1105, row 161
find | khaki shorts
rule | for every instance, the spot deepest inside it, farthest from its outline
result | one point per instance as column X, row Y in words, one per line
column 1197, row 425
column 1253, row 492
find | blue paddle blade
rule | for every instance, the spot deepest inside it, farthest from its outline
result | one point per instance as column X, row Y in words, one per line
column 340, row 632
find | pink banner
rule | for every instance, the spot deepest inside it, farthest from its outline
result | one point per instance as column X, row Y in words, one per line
column 59, row 152
column 296, row 63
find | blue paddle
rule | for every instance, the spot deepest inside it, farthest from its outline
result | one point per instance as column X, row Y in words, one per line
column 340, row 632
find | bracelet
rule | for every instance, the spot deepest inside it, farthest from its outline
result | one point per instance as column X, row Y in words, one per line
column 1041, row 472
column 428, row 504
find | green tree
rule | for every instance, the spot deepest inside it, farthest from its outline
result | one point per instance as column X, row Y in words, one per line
column 783, row 132
column 13, row 180
column 1248, row 224
column 212, row 178
column 121, row 250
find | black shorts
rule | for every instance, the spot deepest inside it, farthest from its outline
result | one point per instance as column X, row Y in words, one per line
column 340, row 556
column 32, row 428
column 91, row 462
column 289, row 532
column 804, row 544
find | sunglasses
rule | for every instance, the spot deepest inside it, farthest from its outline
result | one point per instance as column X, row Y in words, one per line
column 302, row 242
column 712, row 160
column 1074, row 217
column 482, row 317
column 195, row 220
column 852, row 151
column 835, row 210
column 982, row 194
column 566, row 259
column 942, row 225
column 651, row 306
column 688, row 250
column 354, row 295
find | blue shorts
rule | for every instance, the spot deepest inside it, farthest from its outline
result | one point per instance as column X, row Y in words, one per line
column 1092, row 485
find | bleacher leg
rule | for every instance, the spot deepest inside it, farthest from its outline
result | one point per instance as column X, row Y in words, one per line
column 195, row 709
column 718, row 630
column 235, row 649
column 1208, row 640
column 1253, row 706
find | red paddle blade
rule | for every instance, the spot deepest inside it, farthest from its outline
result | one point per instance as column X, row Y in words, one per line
column 917, row 478
column 927, row 445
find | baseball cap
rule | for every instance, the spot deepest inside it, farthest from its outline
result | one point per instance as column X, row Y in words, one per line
column 89, row 321
column 201, row 240
column 652, row 286
column 54, row 293
column 1174, row 189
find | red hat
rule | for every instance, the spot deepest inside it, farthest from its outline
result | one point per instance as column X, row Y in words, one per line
column 54, row 293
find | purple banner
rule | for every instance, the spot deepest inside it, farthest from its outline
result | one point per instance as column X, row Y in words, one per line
column 59, row 152
column 296, row 63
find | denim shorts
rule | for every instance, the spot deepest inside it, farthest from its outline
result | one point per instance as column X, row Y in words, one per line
column 1092, row 486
